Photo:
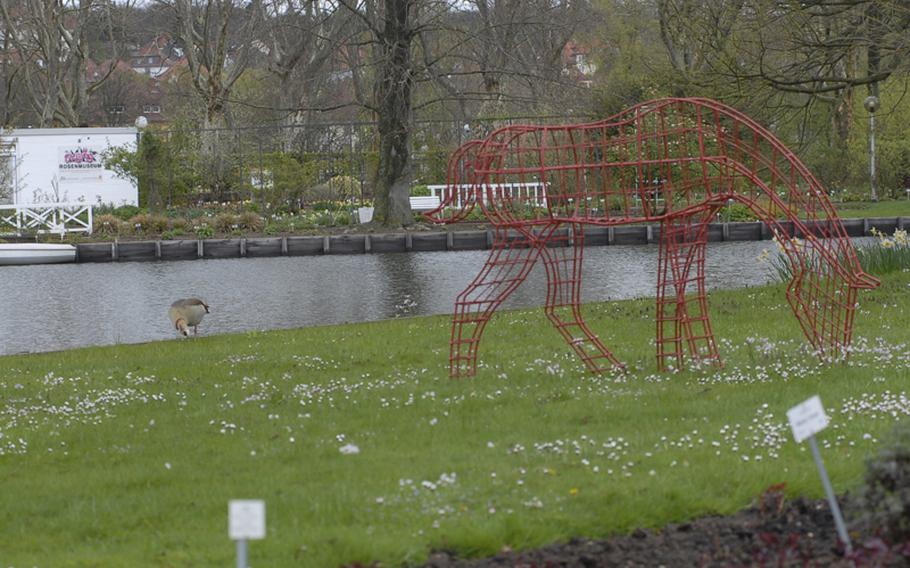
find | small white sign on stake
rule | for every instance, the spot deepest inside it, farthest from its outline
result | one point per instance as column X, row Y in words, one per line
column 246, row 519
column 807, row 419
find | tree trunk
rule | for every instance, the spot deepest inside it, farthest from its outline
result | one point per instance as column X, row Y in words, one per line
column 392, row 206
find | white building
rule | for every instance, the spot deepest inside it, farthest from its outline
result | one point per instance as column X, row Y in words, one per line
column 64, row 165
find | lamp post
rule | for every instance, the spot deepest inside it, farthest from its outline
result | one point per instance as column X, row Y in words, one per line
column 464, row 133
column 872, row 103
column 141, row 123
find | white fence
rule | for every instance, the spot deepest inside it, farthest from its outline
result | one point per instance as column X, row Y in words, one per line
column 530, row 192
column 46, row 218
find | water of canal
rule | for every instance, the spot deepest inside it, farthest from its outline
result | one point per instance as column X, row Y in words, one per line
column 54, row 307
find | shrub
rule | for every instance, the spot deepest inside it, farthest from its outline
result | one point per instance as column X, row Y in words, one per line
column 338, row 188
column 736, row 212
column 165, row 161
column 139, row 224
column 287, row 224
column 283, row 179
column 157, row 223
column 882, row 505
column 225, row 222
column 318, row 206
column 203, row 230
column 420, row 191
column 476, row 214
column 126, row 212
column 249, row 221
column 144, row 224
column 178, row 225
column 324, row 219
column 107, row 225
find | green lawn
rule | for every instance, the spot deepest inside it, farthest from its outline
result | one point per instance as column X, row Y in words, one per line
column 128, row 455
column 895, row 208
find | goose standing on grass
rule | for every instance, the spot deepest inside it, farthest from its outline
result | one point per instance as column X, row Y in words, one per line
column 187, row 313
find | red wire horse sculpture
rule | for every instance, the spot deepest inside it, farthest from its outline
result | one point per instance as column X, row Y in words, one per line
column 675, row 162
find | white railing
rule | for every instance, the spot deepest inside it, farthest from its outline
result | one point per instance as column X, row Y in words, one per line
column 533, row 192
column 46, row 218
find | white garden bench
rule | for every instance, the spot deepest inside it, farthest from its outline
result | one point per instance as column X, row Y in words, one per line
column 424, row 203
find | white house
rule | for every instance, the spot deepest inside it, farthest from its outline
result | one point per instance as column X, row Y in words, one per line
column 64, row 165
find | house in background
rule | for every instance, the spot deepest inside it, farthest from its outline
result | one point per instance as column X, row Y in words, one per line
column 578, row 64
column 135, row 87
column 156, row 57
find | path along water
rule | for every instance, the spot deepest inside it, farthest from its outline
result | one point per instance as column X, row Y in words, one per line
column 55, row 307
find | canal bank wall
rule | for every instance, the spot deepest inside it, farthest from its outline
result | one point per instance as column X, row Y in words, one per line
column 364, row 243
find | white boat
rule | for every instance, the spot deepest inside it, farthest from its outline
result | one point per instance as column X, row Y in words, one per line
column 36, row 253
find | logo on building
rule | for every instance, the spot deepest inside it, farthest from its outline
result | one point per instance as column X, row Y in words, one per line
column 80, row 158
column 79, row 163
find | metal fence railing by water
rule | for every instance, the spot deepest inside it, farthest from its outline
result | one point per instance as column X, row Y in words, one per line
column 294, row 165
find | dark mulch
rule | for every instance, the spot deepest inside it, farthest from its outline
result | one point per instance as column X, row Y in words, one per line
column 780, row 533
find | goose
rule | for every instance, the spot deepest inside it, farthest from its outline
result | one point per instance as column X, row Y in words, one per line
column 187, row 313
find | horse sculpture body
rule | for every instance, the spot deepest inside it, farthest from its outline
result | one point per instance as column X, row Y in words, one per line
column 675, row 162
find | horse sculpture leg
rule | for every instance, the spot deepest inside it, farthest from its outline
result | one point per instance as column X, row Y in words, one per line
column 564, row 267
column 506, row 268
column 682, row 253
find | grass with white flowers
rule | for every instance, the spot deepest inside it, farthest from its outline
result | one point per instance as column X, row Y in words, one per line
column 364, row 450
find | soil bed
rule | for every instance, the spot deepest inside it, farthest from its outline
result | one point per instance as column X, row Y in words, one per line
column 790, row 533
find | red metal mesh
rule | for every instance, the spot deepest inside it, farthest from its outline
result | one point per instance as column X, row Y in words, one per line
column 675, row 162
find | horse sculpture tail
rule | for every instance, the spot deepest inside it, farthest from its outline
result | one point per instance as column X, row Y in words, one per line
column 462, row 188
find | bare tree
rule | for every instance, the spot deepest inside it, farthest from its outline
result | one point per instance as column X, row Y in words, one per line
column 300, row 39
column 695, row 34
column 10, row 73
column 515, row 48
column 50, row 44
column 218, row 38
column 120, row 99
column 814, row 41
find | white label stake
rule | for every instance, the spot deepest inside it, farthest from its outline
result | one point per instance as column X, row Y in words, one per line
column 806, row 420
column 246, row 520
